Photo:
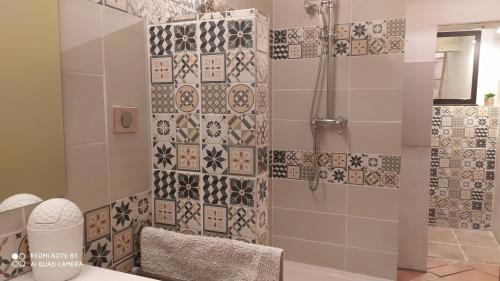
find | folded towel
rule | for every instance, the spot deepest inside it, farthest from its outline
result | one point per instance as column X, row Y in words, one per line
column 198, row 258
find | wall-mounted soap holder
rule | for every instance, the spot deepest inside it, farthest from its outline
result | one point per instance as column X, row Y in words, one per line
column 124, row 120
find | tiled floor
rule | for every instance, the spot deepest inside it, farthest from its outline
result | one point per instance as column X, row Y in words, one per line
column 467, row 245
column 452, row 270
column 458, row 255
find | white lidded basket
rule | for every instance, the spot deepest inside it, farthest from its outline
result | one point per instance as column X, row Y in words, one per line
column 55, row 233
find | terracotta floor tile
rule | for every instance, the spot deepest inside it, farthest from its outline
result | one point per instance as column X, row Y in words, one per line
column 487, row 255
column 450, row 269
column 488, row 268
column 441, row 235
column 407, row 275
column 436, row 262
column 471, row 275
column 476, row 238
column 444, row 251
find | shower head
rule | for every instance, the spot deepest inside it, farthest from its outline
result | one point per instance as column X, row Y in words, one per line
column 317, row 4
column 312, row 4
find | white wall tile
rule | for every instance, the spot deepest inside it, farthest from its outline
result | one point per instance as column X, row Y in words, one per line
column 11, row 221
column 314, row 226
column 376, row 105
column 363, row 10
column 414, row 204
column 375, row 137
column 83, row 99
column 372, row 234
column 81, row 42
column 294, row 194
column 372, row 263
column 370, row 202
column 129, row 169
column 87, row 175
column 418, row 102
column 294, row 106
column 379, row 72
column 311, row 252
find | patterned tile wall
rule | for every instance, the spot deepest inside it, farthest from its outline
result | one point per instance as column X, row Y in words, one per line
column 381, row 37
column 462, row 174
column 209, row 81
column 111, row 237
column 338, row 168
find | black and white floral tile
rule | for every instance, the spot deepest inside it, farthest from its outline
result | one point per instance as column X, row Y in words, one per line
column 462, row 177
column 380, row 37
column 338, row 168
column 209, row 80
column 111, row 236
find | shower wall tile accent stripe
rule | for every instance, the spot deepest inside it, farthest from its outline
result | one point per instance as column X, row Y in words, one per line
column 462, row 177
column 209, row 95
column 380, row 37
column 339, row 168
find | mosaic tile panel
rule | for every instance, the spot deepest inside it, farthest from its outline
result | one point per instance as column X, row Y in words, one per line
column 379, row 37
column 210, row 109
column 462, row 164
column 339, row 168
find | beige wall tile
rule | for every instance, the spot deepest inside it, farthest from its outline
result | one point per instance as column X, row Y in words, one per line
column 370, row 202
column 87, row 175
column 363, row 10
column 311, row 252
column 264, row 6
column 289, row 134
column 129, row 169
column 126, row 71
column 81, row 41
column 339, row 71
column 296, row 74
column 413, row 207
column 292, row 13
column 372, row 263
column 372, row 234
column 417, row 104
column 84, row 119
column 294, row 194
column 376, row 105
column 11, row 221
column 338, row 103
column 380, row 72
column 294, row 106
column 320, row 227
column 375, row 137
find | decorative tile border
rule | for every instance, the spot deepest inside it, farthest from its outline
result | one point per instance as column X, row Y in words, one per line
column 380, row 37
column 463, row 155
column 338, row 168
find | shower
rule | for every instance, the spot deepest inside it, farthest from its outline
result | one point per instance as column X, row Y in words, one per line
column 327, row 24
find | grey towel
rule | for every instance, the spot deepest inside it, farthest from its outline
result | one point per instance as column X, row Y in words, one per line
column 184, row 257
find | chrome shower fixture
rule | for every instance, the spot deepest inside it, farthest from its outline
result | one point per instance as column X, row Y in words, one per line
column 317, row 4
column 316, row 123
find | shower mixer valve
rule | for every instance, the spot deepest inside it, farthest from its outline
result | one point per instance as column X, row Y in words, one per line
column 338, row 122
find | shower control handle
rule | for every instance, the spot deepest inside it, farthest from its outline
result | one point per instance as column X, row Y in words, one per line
column 329, row 122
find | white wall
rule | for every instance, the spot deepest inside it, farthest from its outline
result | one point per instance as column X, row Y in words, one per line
column 423, row 18
column 489, row 66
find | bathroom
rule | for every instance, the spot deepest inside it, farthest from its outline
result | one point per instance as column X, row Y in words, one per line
column 321, row 133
